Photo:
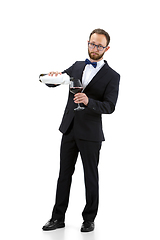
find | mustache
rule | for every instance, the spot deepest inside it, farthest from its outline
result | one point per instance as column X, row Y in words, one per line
column 95, row 53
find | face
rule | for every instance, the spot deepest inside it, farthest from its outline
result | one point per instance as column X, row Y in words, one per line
column 95, row 54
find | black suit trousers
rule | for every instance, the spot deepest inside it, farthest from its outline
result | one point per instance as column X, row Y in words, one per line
column 89, row 152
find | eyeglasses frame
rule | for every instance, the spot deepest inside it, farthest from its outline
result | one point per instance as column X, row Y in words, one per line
column 96, row 46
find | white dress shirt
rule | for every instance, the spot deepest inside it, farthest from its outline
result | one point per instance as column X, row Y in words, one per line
column 89, row 72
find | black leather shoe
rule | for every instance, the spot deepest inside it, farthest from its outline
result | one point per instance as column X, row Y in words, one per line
column 87, row 226
column 53, row 224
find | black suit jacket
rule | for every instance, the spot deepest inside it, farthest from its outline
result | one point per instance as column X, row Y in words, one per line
column 102, row 92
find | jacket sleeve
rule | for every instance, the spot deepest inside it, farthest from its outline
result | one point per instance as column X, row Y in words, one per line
column 69, row 70
column 107, row 106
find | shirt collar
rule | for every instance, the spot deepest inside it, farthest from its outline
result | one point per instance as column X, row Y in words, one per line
column 100, row 63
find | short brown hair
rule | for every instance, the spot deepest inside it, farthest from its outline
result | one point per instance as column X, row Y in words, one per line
column 103, row 32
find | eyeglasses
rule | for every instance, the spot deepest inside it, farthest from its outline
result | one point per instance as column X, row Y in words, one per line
column 99, row 47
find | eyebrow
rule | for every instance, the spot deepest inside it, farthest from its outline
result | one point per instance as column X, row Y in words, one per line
column 97, row 44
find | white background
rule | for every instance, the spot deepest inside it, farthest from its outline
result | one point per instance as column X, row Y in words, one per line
column 41, row 36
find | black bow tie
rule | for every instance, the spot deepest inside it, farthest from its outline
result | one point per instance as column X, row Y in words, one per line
column 94, row 64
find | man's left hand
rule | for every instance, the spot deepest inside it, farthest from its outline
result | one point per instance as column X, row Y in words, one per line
column 81, row 98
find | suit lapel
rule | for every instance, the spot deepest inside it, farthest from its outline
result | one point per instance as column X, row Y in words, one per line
column 99, row 75
column 80, row 69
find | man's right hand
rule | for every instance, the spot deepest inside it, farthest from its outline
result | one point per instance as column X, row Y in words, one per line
column 52, row 73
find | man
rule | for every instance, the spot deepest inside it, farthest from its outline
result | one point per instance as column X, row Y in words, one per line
column 82, row 130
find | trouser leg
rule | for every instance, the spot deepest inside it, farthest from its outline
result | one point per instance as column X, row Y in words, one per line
column 90, row 157
column 68, row 157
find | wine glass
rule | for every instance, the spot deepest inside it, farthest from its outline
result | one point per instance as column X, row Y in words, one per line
column 76, row 87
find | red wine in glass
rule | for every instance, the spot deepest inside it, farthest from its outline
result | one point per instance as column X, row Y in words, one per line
column 76, row 87
column 75, row 90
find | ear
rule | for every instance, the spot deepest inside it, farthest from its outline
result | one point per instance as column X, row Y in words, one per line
column 107, row 48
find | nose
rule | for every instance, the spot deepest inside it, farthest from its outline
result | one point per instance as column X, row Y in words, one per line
column 95, row 49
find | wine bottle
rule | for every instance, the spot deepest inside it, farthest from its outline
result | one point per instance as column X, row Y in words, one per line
column 64, row 78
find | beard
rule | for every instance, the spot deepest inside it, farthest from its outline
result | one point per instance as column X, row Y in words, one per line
column 96, row 56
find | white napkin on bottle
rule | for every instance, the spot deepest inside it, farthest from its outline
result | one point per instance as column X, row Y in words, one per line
column 60, row 79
